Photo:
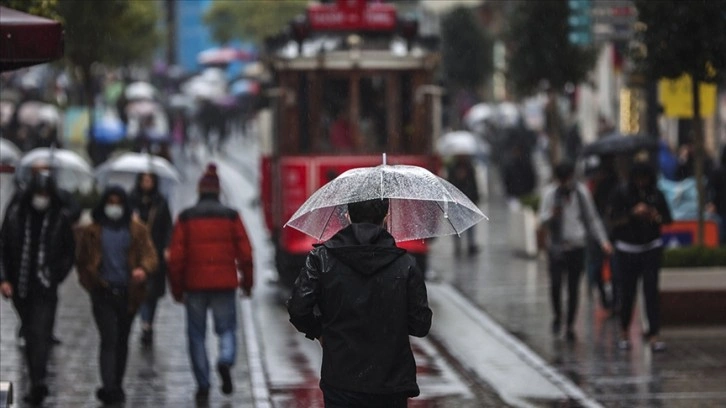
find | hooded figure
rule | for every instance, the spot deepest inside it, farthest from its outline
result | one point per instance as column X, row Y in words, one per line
column 371, row 296
column 638, row 210
column 115, row 256
column 36, row 251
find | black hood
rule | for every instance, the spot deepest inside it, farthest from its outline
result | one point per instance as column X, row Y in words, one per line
column 365, row 248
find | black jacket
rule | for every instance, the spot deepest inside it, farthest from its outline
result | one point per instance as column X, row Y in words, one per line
column 154, row 212
column 371, row 296
column 633, row 230
column 60, row 242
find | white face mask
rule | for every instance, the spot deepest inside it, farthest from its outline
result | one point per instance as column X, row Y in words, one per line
column 114, row 211
column 40, row 203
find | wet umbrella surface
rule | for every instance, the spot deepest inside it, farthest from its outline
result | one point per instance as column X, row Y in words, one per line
column 422, row 205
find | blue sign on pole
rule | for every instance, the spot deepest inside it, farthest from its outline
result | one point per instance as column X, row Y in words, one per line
column 193, row 35
column 580, row 22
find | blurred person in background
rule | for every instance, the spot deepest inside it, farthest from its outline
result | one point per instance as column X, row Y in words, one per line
column 37, row 247
column 638, row 210
column 603, row 181
column 519, row 176
column 209, row 258
column 717, row 195
column 115, row 258
column 569, row 215
column 152, row 209
column 462, row 174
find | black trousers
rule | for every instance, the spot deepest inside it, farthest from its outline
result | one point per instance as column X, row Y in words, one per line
column 632, row 267
column 570, row 264
column 337, row 398
column 113, row 320
column 37, row 317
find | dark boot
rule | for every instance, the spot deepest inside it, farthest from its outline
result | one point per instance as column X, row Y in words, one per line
column 36, row 395
column 147, row 337
column 226, row 376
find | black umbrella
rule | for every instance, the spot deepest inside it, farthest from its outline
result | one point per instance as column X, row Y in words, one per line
column 617, row 143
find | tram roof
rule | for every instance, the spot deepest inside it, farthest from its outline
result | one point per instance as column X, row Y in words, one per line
column 331, row 53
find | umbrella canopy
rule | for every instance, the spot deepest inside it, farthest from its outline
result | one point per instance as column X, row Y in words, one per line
column 7, row 110
column 139, row 163
column 477, row 116
column 109, row 129
column 9, row 153
column 143, row 108
column 124, row 169
column 617, row 143
column 71, row 171
column 461, row 142
column 31, row 113
column 422, row 205
column 223, row 55
column 27, row 40
column 140, row 90
column 507, row 115
column 244, row 87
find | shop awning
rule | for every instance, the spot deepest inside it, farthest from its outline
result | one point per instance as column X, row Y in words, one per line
column 27, row 40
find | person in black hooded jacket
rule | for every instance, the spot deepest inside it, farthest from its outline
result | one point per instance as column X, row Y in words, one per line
column 362, row 297
column 637, row 213
column 36, row 255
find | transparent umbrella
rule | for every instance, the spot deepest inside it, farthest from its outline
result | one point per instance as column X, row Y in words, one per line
column 140, row 90
column 71, row 170
column 9, row 153
column 477, row 116
column 422, row 205
column 124, row 169
column 461, row 142
column 139, row 163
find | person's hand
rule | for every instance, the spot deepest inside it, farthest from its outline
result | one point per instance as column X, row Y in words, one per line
column 6, row 289
column 138, row 275
column 607, row 248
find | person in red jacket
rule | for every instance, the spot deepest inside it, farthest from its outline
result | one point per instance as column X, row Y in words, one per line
column 209, row 258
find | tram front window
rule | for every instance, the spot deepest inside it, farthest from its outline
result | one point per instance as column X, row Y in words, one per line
column 350, row 124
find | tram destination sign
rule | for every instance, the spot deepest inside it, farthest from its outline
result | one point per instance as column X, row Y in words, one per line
column 352, row 15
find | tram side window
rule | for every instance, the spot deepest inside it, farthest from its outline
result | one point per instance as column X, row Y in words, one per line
column 336, row 121
column 373, row 114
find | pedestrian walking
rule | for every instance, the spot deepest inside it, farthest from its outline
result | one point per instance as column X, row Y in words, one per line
column 68, row 205
column 519, row 175
column 115, row 258
column 362, row 297
column 462, row 174
column 151, row 207
column 569, row 216
column 639, row 209
column 209, row 258
column 717, row 195
column 602, row 183
column 37, row 247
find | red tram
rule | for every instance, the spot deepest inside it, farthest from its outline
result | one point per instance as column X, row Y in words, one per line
column 353, row 81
